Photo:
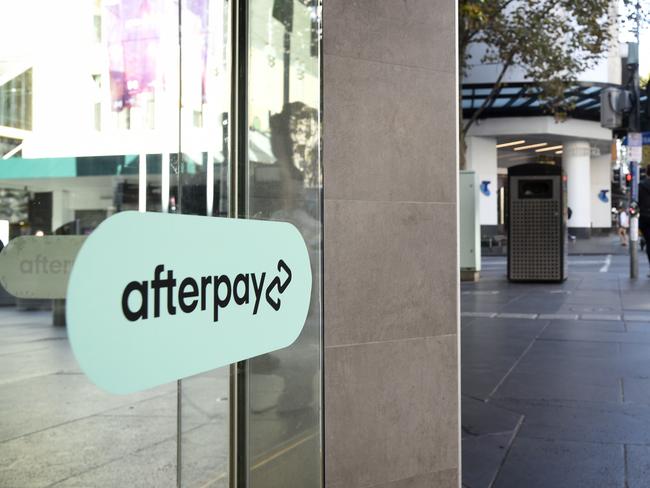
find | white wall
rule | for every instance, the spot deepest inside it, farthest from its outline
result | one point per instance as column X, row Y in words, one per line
column 601, row 180
column 576, row 161
column 482, row 158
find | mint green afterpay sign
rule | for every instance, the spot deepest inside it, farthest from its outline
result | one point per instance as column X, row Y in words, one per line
column 153, row 298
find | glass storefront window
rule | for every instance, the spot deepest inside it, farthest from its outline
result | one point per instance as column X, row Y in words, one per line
column 285, row 183
column 103, row 109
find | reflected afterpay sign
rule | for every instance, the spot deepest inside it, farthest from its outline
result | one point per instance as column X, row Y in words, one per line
column 38, row 267
column 153, row 298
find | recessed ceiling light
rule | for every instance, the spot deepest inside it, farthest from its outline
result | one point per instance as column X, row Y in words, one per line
column 510, row 144
column 532, row 146
column 550, row 148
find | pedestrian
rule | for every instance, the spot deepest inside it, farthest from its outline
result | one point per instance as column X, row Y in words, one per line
column 644, row 214
column 623, row 225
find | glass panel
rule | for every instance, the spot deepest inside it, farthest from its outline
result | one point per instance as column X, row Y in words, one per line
column 202, row 189
column 284, row 183
column 88, row 127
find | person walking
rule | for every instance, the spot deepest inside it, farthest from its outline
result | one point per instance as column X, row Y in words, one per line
column 644, row 214
column 623, row 225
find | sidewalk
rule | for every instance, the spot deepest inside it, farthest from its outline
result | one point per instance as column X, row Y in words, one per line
column 556, row 378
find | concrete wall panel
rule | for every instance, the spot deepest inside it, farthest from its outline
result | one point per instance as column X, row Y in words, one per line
column 391, row 270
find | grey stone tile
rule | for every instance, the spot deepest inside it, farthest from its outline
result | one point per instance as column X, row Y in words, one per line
column 361, row 30
column 481, row 418
column 636, row 390
column 594, row 422
column 540, row 384
column 56, row 454
column 490, row 347
column 537, row 463
column 151, row 466
column 549, row 350
column 57, row 358
column 206, row 455
column 12, row 348
column 368, row 300
column 411, row 11
column 482, row 458
column 440, row 479
column 638, row 466
column 46, row 401
column 398, row 386
column 373, row 161
column 297, row 464
column 585, row 326
column 637, row 327
column 584, row 334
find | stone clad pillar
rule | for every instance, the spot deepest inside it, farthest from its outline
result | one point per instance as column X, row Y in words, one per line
column 576, row 161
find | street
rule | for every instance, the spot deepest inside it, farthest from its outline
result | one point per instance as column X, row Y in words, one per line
column 556, row 377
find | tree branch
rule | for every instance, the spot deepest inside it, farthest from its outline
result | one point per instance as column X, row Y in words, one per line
column 490, row 98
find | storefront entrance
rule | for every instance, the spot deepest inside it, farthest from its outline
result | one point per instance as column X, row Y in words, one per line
column 201, row 107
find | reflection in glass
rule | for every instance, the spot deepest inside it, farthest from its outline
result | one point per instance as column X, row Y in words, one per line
column 202, row 189
column 90, row 125
column 284, row 183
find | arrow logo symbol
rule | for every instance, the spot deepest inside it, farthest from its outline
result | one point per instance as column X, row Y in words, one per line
column 275, row 304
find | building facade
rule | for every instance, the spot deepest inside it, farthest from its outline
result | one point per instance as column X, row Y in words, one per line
column 515, row 129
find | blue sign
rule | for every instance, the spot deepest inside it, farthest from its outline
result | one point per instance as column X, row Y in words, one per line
column 602, row 196
column 645, row 138
column 485, row 188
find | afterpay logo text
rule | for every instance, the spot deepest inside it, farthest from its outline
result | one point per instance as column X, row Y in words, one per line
column 142, row 300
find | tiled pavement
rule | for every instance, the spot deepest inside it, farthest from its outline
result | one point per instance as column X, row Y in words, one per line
column 556, row 378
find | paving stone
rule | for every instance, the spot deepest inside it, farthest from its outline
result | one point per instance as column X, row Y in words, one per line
column 482, row 458
column 71, row 449
column 46, row 401
column 580, row 421
column 636, row 317
column 481, row 418
column 538, row 463
column 638, row 466
column 636, row 390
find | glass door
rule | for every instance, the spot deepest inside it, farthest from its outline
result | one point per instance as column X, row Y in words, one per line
column 91, row 124
column 283, row 170
column 203, row 107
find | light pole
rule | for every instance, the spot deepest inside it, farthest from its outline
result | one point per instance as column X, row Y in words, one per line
column 634, row 140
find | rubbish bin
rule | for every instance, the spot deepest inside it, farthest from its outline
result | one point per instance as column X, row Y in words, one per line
column 537, row 223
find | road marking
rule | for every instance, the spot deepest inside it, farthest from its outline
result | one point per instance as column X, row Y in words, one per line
column 481, row 315
column 636, row 317
column 557, row 316
column 586, row 316
column 481, row 292
column 584, row 263
column 527, row 316
column 608, row 261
